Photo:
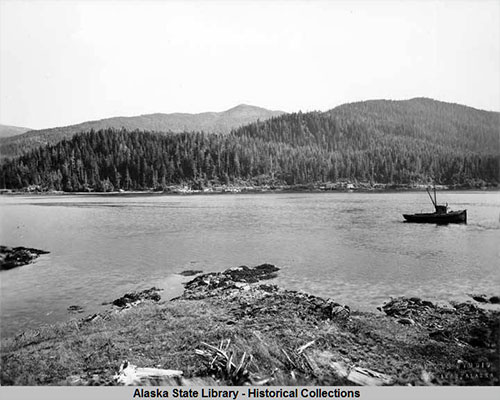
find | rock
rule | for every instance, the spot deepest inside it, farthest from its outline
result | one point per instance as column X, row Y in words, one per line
column 208, row 285
column 12, row 257
column 190, row 272
column 236, row 285
column 464, row 323
column 482, row 298
column 479, row 298
column 268, row 288
column 238, row 274
column 92, row 318
column 407, row 310
column 135, row 297
column 334, row 310
column 75, row 309
column 428, row 304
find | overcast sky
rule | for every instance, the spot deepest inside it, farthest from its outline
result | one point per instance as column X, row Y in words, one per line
column 64, row 62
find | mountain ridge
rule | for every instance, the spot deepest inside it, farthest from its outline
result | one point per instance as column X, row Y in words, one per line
column 388, row 142
column 11, row 130
column 211, row 122
column 422, row 118
column 454, row 124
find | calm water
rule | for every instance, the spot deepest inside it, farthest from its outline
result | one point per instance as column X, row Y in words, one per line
column 352, row 247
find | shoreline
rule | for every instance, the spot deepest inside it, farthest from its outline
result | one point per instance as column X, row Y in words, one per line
column 238, row 190
column 289, row 338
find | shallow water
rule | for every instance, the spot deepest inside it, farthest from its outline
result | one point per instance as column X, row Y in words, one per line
column 353, row 247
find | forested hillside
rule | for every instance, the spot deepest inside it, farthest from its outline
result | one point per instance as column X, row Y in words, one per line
column 346, row 143
column 451, row 125
column 209, row 122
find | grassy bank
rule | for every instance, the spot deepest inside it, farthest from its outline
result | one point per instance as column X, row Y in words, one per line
column 267, row 335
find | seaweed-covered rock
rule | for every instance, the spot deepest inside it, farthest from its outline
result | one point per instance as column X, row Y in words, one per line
column 75, row 309
column 462, row 322
column 12, row 257
column 238, row 286
column 272, row 301
column 136, row 297
column 208, row 285
column 408, row 307
column 482, row 298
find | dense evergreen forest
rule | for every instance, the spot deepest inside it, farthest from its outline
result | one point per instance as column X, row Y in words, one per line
column 210, row 122
column 290, row 149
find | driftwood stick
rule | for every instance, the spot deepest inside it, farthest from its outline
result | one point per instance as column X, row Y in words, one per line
column 229, row 364
column 240, row 366
column 305, row 346
column 289, row 359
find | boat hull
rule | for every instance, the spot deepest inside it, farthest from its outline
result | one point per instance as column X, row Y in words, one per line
column 452, row 217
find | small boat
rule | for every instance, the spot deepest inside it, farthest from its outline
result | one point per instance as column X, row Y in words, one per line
column 441, row 216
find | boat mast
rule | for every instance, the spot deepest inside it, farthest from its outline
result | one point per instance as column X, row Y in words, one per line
column 429, row 193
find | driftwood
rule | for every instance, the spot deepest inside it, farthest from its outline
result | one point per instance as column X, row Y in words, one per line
column 360, row 376
column 341, row 368
column 299, row 361
column 132, row 375
column 367, row 377
column 305, row 346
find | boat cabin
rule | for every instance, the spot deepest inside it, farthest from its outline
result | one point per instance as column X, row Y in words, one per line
column 440, row 209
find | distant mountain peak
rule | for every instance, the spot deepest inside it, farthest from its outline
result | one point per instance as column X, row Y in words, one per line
column 249, row 112
column 243, row 106
column 247, row 107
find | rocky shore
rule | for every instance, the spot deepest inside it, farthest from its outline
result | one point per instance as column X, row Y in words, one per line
column 270, row 187
column 236, row 327
column 12, row 257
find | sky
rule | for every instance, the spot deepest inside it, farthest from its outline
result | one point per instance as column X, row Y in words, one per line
column 65, row 62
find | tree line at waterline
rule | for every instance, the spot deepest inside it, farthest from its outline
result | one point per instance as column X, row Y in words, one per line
column 290, row 149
